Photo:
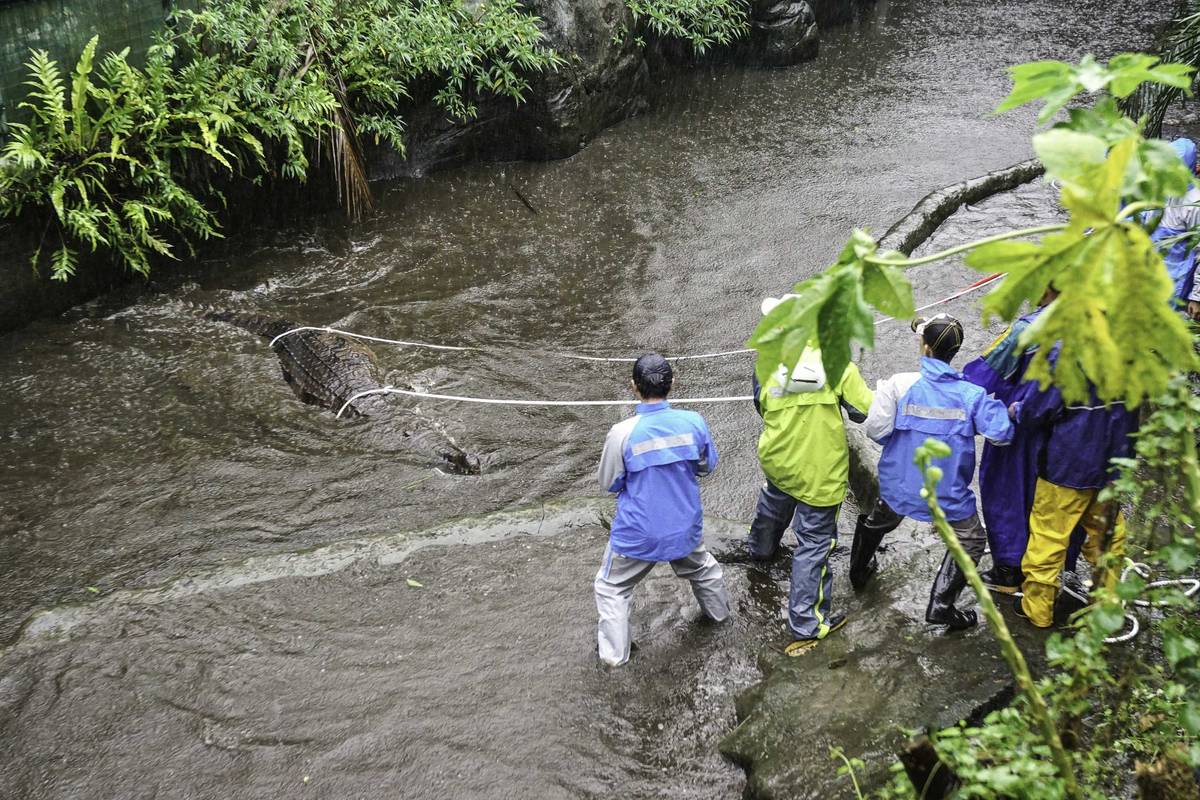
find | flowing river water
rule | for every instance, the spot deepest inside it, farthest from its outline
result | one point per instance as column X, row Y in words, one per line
column 145, row 447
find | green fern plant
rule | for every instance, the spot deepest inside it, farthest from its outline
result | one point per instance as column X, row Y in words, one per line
column 131, row 160
column 99, row 163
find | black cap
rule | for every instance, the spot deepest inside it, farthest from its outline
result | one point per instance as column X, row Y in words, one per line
column 652, row 375
column 943, row 334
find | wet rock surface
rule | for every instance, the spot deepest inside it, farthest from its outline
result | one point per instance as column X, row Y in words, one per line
column 885, row 674
column 604, row 79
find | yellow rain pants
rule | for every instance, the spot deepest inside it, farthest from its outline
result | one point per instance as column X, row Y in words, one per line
column 1056, row 512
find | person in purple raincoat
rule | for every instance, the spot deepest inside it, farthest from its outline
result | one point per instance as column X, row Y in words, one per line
column 1008, row 475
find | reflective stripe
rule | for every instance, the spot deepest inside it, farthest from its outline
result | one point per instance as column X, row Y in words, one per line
column 663, row 443
column 822, row 626
column 932, row 412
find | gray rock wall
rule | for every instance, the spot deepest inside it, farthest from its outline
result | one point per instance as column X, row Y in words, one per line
column 602, row 82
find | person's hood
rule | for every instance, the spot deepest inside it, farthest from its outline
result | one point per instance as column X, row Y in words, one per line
column 1186, row 149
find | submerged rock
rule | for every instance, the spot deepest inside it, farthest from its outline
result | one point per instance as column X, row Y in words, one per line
column 865, row 688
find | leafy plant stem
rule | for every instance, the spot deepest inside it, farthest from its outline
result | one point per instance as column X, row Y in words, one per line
column 1134, row 208
column 962, row 248
column 837, row 751
column 1008, row 647
column 1191, row 467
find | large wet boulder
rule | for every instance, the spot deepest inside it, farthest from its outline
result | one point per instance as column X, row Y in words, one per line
column 864, row 690
column 603, row 80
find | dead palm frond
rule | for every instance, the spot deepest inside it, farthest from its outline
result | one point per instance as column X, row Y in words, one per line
column 346, row 160
column 341, row 138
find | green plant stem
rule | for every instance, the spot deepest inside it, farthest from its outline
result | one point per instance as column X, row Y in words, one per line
column 837, row 751
column 962, row 248
column 1133, row 208
column 1191, row 467
column 1008, row 647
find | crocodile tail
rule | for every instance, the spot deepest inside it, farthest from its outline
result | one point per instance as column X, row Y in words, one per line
column 266, row 327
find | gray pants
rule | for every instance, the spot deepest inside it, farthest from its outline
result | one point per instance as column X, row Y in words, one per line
column 810, row 600
column 614, row 594
column 969, row 531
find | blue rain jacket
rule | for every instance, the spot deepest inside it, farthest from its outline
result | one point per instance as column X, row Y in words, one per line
column 1080, row 439
column 1177, row 218
column 1007, row 474
column 944, row 405
column 652, row 462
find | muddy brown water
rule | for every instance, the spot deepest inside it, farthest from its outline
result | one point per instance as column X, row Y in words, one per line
column 142, row 444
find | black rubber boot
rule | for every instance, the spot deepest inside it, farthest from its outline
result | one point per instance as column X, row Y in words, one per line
column 949, row 582
column 862, row 553
column 1003, row 578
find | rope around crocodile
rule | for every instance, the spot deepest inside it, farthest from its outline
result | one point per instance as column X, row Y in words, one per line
column 980, row 284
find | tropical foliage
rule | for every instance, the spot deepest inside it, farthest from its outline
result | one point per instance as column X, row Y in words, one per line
column 131, row 160
column 134, row 161
column 703, row 23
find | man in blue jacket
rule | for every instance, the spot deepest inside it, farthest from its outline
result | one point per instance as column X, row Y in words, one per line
column 1181, row 215
column 652, row 462
column 909, row 408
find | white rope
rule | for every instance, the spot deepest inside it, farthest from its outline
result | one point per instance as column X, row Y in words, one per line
column 368, row 338
column 1144, row 571
column 602, row 359
column 492, row 401
column 972, row 288
column 429, row 346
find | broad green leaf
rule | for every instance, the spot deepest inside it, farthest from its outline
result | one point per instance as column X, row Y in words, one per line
column 1036, row 79
column 1090, row 74
column 1130, row 70
column 1189, row 718
column 1158, row 173
column 888, row 289
column 1070, row 156
column 791, row 324
column 1146, row 362
column 1131, row 588
column 1030, row 268
column 844, row 319
column 1178, row 648
column 1107, row 618
column 1178, row 557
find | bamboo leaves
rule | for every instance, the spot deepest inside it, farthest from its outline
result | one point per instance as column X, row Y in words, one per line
column 703, row 23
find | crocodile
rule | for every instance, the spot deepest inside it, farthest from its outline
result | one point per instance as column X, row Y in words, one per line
column 332, row 371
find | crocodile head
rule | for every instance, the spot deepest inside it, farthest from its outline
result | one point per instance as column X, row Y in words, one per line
column 461, row 462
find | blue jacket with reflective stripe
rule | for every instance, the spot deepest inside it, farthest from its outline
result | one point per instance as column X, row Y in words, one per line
column 652, row 462
column 944, row 405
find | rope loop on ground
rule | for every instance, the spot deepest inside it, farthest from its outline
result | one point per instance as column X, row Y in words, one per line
column 1142, row 570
